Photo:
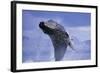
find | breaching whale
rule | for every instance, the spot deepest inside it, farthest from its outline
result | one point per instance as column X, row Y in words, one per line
column 59, row 37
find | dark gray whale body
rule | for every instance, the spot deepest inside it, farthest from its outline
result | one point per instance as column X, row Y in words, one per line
column 59, row 37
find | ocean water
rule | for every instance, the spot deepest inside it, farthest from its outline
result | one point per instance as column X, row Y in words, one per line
column 39, row 48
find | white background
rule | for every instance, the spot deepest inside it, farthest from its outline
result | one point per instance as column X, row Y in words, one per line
column 5, row 36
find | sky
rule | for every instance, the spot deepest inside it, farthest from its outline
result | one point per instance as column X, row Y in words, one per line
column 38, row 47
column 71, row 19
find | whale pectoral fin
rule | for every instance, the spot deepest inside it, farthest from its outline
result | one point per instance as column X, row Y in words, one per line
column 71, row 46
column 66, row 35
column 68, row 40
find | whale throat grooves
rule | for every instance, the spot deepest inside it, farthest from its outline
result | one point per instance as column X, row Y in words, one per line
column 59, row 40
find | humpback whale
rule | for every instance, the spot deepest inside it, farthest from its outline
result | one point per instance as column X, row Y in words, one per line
column 59, row 37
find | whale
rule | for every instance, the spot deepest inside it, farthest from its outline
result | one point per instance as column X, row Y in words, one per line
column 59, row 37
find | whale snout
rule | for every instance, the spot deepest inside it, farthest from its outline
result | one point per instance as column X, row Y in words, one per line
column 41, row 25
column 45, row 28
